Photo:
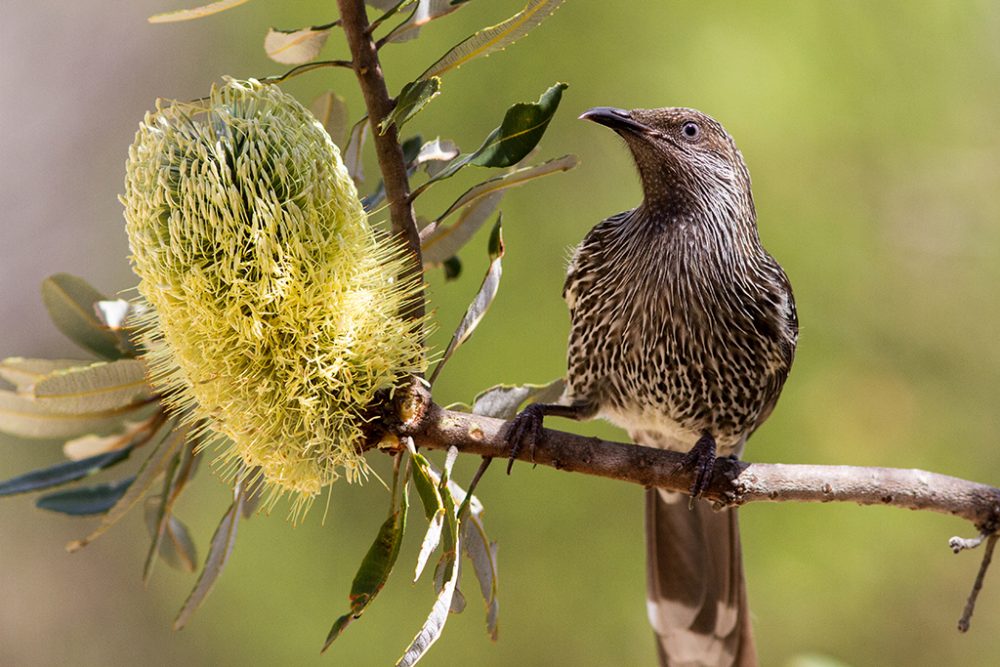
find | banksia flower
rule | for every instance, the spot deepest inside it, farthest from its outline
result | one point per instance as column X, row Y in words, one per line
column 274, row 306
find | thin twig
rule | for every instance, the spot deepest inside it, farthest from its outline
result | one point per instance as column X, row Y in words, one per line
column 308, row 67
column 354, row 21
column 970, row 605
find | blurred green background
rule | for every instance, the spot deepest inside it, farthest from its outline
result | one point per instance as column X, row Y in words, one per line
column 872, row 131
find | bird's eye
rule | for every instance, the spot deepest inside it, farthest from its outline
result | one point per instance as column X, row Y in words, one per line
column 691, row 130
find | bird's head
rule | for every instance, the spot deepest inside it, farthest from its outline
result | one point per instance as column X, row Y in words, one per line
column 686, row 159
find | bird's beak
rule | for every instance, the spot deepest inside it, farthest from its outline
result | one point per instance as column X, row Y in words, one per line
column 617, row 119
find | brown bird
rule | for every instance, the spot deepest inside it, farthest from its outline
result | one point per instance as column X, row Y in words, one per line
column 683, row 332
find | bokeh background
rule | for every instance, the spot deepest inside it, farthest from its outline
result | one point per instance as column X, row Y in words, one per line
column 872, row 131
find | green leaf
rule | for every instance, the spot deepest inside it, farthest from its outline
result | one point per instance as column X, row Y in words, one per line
column 71, row 302
column 154, row 466
column 444, row 241
column 494, row 38
column 520, row 131
column 94, row 388
column 353, row 161
column 411, row 100
column 175, row 547
column 522, row 128
column 295, row 47
column 481, row 303
column 448, row 571
column 196, row 12
column 219, row 551
column 25, row 417
column 24, row 373
column 331, row 110
column 61, row 473
column 505, row 401
column 85, row 501
column 509, row 180
column 374, row 570
column 178, row 472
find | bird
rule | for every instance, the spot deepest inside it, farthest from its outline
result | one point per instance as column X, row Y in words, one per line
column 683, row 332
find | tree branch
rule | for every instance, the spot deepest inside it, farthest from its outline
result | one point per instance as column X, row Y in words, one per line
column 354, row 21
column 733, row 483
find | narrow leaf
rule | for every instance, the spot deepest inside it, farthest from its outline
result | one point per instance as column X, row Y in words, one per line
column 61, row 473
column 219, row 550
column 374, row 570
column 294, row 47
column 24, row 373
column 411, row 100
column 27, row 418
column 445, row 241
column 94, row 388
column 353, row 153
column 431, row 541
column 481, row 303
column 483, row 555
column 131, row 433
column 151, row 468
column 505, row 401
column 331, row 110
column 71, row 302
column 178, row 473
column 509, row 180
column 522, row 128
column 196, row 12
column 176, row 547
column 494, row 38
column 425, row 12
column 85, row 501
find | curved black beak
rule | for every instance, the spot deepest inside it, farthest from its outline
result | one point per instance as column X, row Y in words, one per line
column 617, row 119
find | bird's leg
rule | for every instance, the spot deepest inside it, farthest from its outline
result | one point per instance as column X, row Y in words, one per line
column 526, row 427
column 701, row 459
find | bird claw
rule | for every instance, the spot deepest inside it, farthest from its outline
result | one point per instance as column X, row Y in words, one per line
column 701, row 458
column 525, row 428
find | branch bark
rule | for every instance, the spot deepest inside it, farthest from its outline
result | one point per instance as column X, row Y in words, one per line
column 734, row 482
column 364, row 55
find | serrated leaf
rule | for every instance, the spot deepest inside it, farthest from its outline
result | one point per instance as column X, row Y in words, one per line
column 295, row 47
column 94, row 388
column 411, row 100
column 25, row 417
column 505, row 401
column 71, row 302
column 481, row 303
column 154, row 466
column 444, row 242
column 509, row 180
column 374, row 570
column 520, row 131
column 425, row 12
column 353, row 161
column 86, row 500
column 494, row 38
column 24, row 373
column 195, row 12
column 219, row 551
column 61, row 473
column 331, row 110
column 176, row 547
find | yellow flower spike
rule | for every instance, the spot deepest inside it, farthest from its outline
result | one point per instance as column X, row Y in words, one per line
column 274, row 305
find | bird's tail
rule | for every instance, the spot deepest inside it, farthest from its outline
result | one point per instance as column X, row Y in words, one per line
column 696, row 595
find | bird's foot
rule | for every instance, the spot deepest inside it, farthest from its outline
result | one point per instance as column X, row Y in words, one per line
column 701, row 459
column 525, row 429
